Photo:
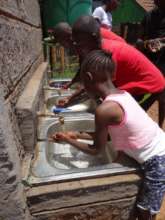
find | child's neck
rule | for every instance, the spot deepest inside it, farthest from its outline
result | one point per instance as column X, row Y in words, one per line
column 106, row 9
column 106, row 89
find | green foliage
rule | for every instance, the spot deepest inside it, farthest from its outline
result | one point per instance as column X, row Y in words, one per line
column 68, row 73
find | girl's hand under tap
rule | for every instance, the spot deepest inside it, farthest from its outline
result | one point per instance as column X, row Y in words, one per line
column 62, row 102
column 64, row 136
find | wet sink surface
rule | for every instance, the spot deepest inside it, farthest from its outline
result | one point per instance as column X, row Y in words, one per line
column 58, row 83
column 55, row 162
column 71, row 122
column 87, row 105
column 64, row 156
column 58, row 162
column 52, row 98
column 48, row 93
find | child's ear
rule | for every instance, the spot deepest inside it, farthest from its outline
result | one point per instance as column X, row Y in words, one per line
column 113, row 77
column 94, row 35
column 89, row 76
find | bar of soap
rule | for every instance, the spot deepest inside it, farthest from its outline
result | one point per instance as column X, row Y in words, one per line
column 55, row 109
column 73, row 108
column 78, row 107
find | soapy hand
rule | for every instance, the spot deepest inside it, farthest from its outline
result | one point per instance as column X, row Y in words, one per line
column 64, row 136
column 62, row 102
column 60, row 136
column 66, row 85
column 154, row 45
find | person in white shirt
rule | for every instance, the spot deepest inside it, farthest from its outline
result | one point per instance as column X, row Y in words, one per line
column 103, row 13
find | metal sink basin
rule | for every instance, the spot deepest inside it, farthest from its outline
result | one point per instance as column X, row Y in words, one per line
column 85, row 106
column 58, row 83
column 48, row 125
column 53, row 96
column 48, row 93
column 55, row 162
column 64, row 156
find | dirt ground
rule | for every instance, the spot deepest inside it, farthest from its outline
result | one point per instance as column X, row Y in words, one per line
column 153, row 112
column 161, row 215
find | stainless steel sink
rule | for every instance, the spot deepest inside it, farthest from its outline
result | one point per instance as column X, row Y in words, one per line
column 48, row 125
column 55, row 162
column 48, row 93
column 58, row 83
column 85, row 106
column 64, row 156
column 53, row 96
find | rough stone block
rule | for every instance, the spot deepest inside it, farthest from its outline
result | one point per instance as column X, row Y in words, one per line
column 108, row 210
column 27, row 10
column 21, row 46
column 68, row 195
column 27, row 106
column 12, row 203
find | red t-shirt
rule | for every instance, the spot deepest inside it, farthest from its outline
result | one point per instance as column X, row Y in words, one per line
column 134, row 72
column 109, row 35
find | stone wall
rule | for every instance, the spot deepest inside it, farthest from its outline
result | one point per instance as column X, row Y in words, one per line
column 104, row 198
column 20, row 43
column 12, row 202
column 20, row 55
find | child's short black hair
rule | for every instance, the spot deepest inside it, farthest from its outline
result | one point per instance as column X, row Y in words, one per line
column 62, row 28
column 86, row 24
column 100, row 63
column 106, row 1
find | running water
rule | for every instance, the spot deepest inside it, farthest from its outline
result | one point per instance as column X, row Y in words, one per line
column 65, row 156
column 62, row 122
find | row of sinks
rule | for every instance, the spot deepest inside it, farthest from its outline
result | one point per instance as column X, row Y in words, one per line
column 52, row 98
column 61, row 161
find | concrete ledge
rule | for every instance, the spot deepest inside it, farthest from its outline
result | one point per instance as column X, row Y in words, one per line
column 71, row 194
column 27, row 106
column 107, row 210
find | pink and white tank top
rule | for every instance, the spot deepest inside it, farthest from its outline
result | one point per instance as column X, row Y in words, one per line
column 137, row 135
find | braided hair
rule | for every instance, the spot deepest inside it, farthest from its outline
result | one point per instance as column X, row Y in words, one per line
column 100, row 63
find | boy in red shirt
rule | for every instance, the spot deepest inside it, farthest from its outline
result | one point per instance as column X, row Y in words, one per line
column 63, row 34
column 134, row 73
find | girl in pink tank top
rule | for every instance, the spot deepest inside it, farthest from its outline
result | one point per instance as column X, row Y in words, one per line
column 131, row 130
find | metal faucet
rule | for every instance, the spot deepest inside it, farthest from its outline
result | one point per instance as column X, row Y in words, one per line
column 59, row 92
column 61, row 119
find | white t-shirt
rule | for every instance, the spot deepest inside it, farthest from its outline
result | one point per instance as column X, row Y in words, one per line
column 104, row 17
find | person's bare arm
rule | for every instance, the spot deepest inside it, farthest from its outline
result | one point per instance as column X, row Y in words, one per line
column 78, row 95
column 75, row 79
column 106, row 114
column 76, row 135
column 85, row 135
column 100, row 138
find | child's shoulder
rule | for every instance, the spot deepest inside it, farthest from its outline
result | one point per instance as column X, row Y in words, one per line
column 109, row 112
